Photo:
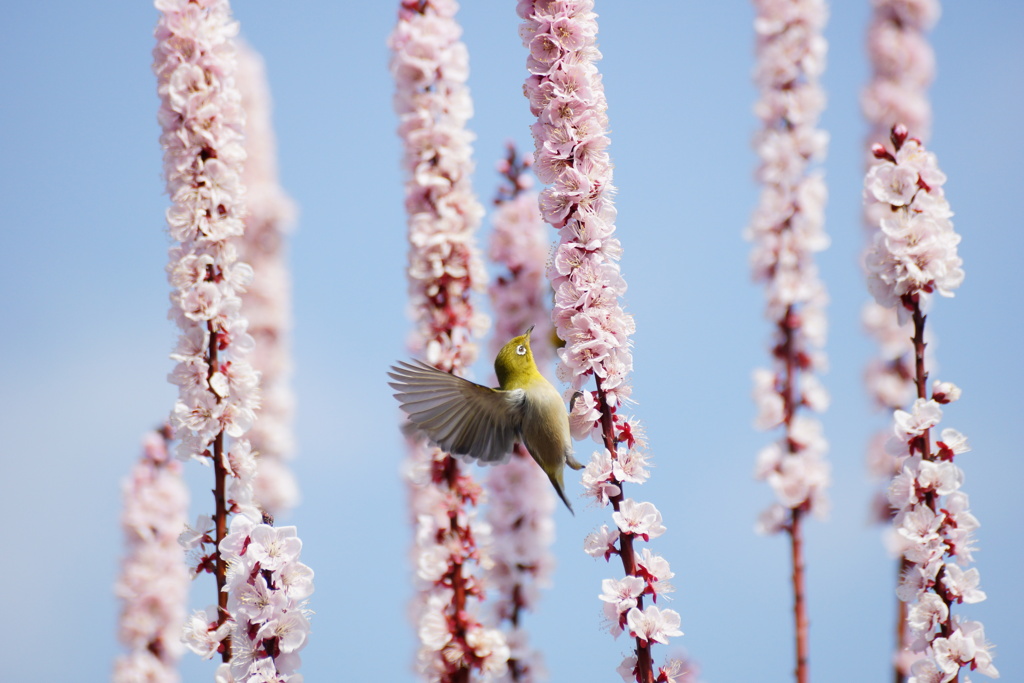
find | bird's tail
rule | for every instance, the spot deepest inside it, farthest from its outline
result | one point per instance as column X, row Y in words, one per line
column 556, row 481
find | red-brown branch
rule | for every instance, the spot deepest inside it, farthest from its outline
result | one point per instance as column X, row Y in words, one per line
column 220, row 516
column 644, row 662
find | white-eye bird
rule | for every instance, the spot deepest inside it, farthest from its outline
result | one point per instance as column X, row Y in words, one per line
column 471, row 420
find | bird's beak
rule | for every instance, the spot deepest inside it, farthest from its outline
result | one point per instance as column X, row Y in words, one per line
column 530, row 330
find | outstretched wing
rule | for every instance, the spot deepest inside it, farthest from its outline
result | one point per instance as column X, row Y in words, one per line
column 460, row 416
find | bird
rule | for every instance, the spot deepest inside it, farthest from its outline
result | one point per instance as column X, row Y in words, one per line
column 484, row 424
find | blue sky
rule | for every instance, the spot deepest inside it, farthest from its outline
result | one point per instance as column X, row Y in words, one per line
column 87, row 338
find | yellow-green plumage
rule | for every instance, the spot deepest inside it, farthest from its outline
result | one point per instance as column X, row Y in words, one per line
column 474, row 421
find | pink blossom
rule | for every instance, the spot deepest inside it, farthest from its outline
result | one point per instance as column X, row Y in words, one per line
column 202, row 131
column 202, row 634
column 923, row 416
column 914, row 251
column 154, row 580
column 653, row 624
column 962, row 585
column 267, row 301
column 270, row 612
column 639, row 519
column 566, row 95
column 787, row 230
column 602, row 542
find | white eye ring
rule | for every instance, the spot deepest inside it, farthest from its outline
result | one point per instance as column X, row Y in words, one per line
column 521, row 350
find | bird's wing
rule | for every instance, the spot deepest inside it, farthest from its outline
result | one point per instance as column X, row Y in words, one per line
column 460, row 416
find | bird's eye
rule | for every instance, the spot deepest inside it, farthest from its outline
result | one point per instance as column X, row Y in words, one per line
column 521, row 350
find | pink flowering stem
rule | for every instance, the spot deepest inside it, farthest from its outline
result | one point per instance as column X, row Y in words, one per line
column 566, row 95
column 202, row 122
column 267, row 302
column 787, row 229
column 154, row 580
column 902, row 68
column 914, row 255
column 430, row 66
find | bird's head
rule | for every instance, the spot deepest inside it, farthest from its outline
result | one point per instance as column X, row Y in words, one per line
column 514, row 365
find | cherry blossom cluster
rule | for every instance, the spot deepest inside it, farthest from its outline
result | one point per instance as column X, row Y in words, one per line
column 902, row 66
column 430, row 66
column 566, row 95
column 521, row 503
column 154, row 581
column 267, row 302
column 268, row 589
column 936, row 527
column 201, row 116
column 914, row 252
column 787, row 229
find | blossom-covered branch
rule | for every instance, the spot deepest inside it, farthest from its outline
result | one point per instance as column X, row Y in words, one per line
column 566, row 95
column 902, row 68
column 912, row 256
column 521, row 502
column 787, row 230
column 267, row 302
column 430, row 66
column 201, row 118
column 154, row 580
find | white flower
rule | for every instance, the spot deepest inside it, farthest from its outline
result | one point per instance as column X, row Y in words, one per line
column 202, row 635
column 602, row 542
column 640, row 519
column 923, row 416
column 653, row 624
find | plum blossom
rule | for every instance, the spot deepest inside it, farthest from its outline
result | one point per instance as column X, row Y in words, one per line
column 639, row 519
column 154, row 580
column 267, row 302
column 271, row 617
column 653, row 624
column 902, row 66
column 201, row 118
column 914, row 251
column 203, row 634
column 932, row 519
column 787, row 230
column 567, row 98
column 430, row 65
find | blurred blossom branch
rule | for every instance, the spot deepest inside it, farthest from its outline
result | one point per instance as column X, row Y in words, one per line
column 430, row 66
column 154, row 581
column 521, row 501
column 566, row 95
column 912, row 256
column 267, row 302
column 787, row 229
